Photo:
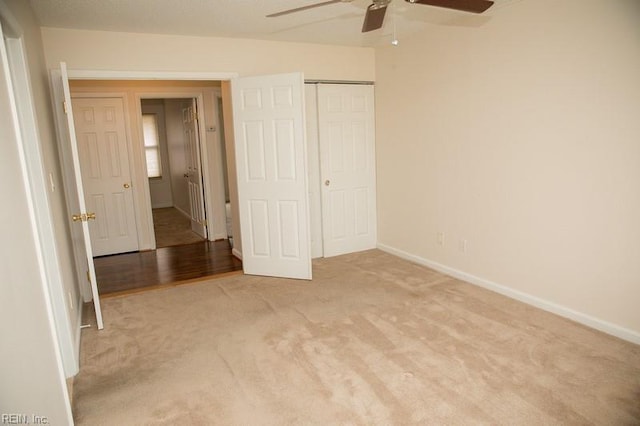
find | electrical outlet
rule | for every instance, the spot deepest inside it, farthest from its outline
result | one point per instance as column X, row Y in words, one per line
column 441, row 239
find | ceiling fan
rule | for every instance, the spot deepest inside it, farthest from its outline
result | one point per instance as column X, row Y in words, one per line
column 374, row 17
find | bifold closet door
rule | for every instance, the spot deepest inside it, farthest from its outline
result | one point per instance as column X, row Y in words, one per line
column 347, row 167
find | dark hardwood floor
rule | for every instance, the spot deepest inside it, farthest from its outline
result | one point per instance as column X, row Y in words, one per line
column 167, row 266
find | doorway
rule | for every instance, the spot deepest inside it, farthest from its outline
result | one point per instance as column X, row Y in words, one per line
column 172, row 153
column 180, row 190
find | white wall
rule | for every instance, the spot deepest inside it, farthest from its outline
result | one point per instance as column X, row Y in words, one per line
column 521, row 136
column 31, row 373
column 100, row 50
column 39, row 85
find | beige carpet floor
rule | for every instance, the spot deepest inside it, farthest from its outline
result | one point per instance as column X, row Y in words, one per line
column 373, row 340
column 172, row 228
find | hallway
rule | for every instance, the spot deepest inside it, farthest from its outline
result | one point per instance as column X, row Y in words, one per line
column 172, row 228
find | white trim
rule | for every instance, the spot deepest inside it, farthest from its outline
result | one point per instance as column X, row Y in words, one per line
column 218, row 220
column 148, row 75
column 161, row 206
column 563, row 311
column 236, row 253
column 185, row 214
column 78, row 330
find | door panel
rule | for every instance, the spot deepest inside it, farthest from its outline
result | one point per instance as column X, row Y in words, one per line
column 74, row 190
column 194, row 169
column 268, row 115
column 104, row 160
column 347, row 162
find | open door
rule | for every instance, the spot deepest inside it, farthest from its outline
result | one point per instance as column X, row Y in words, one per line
column 100, row 130
column 194, row 169
column 270, row 145
column 73, row 184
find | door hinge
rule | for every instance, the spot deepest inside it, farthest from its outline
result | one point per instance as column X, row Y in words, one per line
column 204, row 222
column 194, row 116
column 65, row 107
column 88, row 276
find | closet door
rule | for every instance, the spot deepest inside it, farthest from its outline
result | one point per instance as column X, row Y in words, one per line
column 347, row 167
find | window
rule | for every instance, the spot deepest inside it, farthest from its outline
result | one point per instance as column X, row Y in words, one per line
column 152, row 145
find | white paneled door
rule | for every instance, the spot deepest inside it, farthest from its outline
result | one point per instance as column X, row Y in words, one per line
column 268, row 114
column 73, row 184
column 194, row 169
column 104, row 159
column 347, row 167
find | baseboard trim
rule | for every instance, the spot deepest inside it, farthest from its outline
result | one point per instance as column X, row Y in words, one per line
column 236, row 253
column 184, row 213
column 219, row 236
column 161, row 205
column 563, row 311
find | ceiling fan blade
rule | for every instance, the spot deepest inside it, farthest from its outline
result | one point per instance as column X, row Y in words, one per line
column 374, row 17
column 474, row 6
column 300, row 9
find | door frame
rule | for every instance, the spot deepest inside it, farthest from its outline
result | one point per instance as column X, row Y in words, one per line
column 219, row 231
column 133, row 75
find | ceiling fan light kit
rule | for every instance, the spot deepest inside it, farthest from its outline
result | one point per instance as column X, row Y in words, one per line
column 374, row 17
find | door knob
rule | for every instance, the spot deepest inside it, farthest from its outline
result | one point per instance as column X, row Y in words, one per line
column 126, row 186
column 327, row 182
column 186, row 175
column 83, row 217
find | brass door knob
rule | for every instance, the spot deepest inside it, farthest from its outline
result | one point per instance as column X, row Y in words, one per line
column 83, row 217
column 126, row 186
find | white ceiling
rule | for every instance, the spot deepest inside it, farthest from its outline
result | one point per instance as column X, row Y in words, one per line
column 338, row 23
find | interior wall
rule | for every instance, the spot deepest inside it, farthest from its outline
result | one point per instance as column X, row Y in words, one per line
column 519, row 140
column 101, row 50
column 39, row 83
column 31, row 377
column 160, row 187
